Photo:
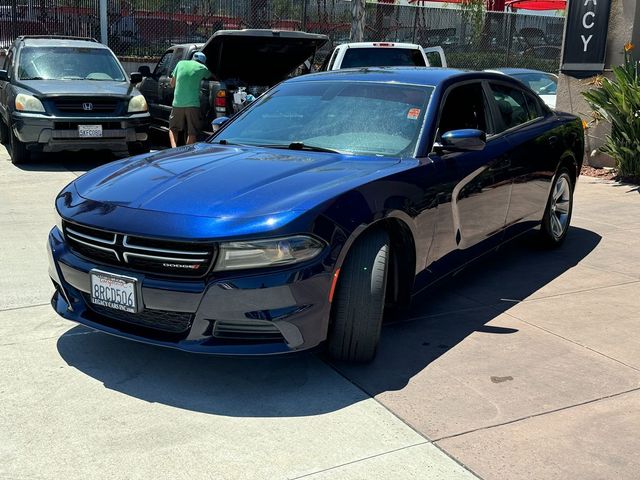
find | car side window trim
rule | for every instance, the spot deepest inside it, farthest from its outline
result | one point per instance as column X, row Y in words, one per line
column 498, row 115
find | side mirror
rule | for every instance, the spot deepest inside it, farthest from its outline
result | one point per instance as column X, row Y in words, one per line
column 218, row 123
column 465, row 140
column 4, row 76
column 144, row 70
column 135, row 77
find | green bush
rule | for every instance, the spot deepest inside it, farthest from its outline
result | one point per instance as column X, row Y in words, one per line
column 617, row 101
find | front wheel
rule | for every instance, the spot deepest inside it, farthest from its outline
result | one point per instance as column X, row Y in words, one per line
column 19, row 152
column 557, row 215
column 358, row 304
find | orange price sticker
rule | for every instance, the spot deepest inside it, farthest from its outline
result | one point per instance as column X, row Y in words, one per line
column 413, row 114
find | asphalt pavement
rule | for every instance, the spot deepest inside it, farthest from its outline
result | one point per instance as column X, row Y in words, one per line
column 524, row 366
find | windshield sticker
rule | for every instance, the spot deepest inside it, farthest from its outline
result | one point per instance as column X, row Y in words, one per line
column 413, row 114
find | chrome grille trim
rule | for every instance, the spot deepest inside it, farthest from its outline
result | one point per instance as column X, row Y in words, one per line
column 150, row 255
column 126, row 256
column 127, row 244
column 93, row 245
column 89, row 237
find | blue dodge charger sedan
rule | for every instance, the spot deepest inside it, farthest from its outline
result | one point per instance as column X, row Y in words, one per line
column 332, row 198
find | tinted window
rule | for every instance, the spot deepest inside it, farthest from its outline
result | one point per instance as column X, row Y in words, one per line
column 382, row 57
column 434, row 59
column 464, row 108
column 512, row 105
column 541, row 83
column 162, row 68
column 534, row 106
column 353, row 117
column 68, row 63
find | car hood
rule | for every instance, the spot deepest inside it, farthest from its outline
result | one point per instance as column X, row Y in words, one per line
column 259, row 57
column 78, row 87
column 223, row 181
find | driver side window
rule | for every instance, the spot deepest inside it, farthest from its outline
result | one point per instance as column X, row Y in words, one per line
column 464, row 107
column 162, row 69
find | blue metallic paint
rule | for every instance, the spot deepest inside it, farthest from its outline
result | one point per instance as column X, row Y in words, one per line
column 442, row 209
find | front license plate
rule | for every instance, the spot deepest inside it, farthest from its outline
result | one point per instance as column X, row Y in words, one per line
column 89, row 131
column 114, row 291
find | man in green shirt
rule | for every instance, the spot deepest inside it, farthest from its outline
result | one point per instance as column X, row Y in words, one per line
column 185, row 114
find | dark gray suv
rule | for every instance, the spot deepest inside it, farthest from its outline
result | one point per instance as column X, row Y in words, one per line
column 69, row 94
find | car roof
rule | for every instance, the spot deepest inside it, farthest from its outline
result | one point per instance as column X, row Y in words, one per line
column 60, row 42
column 408, row 46
column 431, row 76
column 515, row 71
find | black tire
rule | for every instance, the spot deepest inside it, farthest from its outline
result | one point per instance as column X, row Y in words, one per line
column 4, row 133
column 137, row 148
column 19, row 152
column 551, row 235
column 358, row 304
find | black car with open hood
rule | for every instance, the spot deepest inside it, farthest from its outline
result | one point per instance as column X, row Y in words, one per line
column 241, row 61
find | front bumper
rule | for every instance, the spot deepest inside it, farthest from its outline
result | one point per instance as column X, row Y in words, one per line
column 53, row 134
column 233, row 315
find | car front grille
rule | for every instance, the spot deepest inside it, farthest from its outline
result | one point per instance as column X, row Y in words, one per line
column 87, row 106
column 142, row 254
column 163, row 320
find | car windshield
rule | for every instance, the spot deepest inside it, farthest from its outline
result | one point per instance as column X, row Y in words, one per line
column 382, row 57
column 350, row 117
column 68, row 63
column 541, row 83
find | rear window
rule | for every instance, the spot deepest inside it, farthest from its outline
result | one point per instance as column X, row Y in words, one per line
column 382, row 57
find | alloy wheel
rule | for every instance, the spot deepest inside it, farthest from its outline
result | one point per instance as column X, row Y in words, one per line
column 560, row 207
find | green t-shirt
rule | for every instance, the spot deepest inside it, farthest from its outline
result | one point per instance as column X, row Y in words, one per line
column 188, row 75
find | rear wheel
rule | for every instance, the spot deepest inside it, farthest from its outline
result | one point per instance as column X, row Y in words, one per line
column 358, row 304
column 557, row 216
column 19, row 152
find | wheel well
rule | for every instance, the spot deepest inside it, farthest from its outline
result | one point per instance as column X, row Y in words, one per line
column 403, row 261
column 569, row 162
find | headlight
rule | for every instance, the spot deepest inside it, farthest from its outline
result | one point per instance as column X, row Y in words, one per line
column 137, row 104
column 267, row 253
column 28, row 103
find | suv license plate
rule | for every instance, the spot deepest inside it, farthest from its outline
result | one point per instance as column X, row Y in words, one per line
column 89, row 131
column 114, row 291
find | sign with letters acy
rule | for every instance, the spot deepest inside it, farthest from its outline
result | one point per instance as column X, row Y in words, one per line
column 585, row 37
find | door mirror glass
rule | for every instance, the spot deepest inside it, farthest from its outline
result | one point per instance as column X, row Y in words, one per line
column 465, row 140
column 218, row 123
column 135, row 77
column 4, row 76
column 144, row 70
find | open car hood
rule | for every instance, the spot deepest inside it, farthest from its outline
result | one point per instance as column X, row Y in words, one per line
column 259, row 57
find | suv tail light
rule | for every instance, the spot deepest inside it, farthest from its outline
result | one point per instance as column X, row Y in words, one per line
column 220, row 101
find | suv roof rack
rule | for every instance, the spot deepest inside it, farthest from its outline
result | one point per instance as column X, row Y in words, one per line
column 57, row 37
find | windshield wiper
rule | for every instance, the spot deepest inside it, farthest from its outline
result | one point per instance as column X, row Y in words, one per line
column 304, row 146
column 32, row 78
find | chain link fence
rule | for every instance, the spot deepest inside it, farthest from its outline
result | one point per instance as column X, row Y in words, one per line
column 143, row 29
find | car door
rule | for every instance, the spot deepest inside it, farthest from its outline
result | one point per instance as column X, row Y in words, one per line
column 152, row 88
column 528, row 127
column 475, row 185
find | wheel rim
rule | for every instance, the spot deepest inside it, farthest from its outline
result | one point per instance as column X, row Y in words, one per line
column 560, row 207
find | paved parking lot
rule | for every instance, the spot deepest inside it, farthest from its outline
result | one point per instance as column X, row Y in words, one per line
column 526, row 365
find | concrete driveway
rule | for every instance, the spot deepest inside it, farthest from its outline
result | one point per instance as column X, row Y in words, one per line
column 526, row 365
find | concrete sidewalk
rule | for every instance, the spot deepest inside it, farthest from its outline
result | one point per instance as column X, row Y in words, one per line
column 527, row 365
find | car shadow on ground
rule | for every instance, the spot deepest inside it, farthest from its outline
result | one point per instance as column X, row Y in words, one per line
column 67, row 161
column 301, row 385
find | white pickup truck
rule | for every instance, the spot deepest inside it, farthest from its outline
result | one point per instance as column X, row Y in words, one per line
column 383, row 54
